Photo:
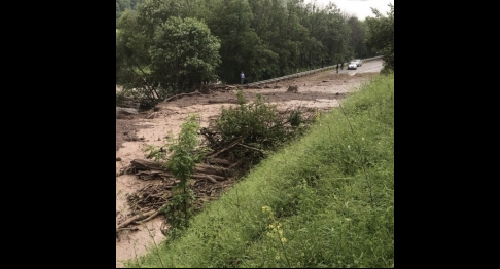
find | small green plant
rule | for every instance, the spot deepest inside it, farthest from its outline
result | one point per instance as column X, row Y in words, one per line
column 182, row 164
column 295, row 118
column 186, row 153
column 155, row 153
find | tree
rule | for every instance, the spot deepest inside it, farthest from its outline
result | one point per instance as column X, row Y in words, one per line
column 357, row 38
column 184, row 54
column 152, row 13
column 118, row 11
column 241, row 48
column 121, row 6
column 131, row 52
column 134, row 3
column 162, row 55
column 380, row 35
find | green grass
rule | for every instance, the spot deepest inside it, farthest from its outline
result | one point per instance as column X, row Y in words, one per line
column 331, row 193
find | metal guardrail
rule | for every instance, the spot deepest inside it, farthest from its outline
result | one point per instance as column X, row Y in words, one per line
column 301, row 74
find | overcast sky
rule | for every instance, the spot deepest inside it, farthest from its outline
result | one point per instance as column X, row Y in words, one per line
column 359, row 7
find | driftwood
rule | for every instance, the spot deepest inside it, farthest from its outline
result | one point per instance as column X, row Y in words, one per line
column 152, row 115
column 130, row 229
column 202, row 168
column 147, row 203
column 212, row 178
column 153, row 215
column 221, row 88
column 236, row 164
column 181, row 95
column 223, row 101
column 146, row 164
column 149, row 216
column 219, row 161
column 252, row 148
column 126, row 110
column 209, row 179
column 149, row 172
column 148, row 169
column 234, row 143
column 134, row 219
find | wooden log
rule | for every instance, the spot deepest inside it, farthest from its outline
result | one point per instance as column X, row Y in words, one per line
column 150, row 172
column 180, row 95
column 155, row 169
column 219, row 161
column 212, row 178
column 133, row 219
column 212, row 169
column 142, row 164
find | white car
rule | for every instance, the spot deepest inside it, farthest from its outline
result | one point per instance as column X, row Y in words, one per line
column 352, row 66
column 358, row 62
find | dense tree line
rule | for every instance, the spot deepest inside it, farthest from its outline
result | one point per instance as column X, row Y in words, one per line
column 380, row 36
column 122, row 5
column 164, row 47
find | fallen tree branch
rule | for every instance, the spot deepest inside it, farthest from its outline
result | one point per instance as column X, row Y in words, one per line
column 252, row 148
column 131, row 229
column 234, row 143
column 211, row 178
column 143, row 164
column 148, row 169
column 154, row 215
column 133, row 219
column 219, row 161
column 235, row 164
column 180, row 95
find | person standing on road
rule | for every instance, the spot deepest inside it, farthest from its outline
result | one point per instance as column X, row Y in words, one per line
column 242, row 77
column 337, row 68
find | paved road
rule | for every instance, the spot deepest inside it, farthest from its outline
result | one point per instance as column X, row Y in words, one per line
column 371, row 66
column 368, row 66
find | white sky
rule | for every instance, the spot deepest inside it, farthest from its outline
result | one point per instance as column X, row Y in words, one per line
column 359, row 7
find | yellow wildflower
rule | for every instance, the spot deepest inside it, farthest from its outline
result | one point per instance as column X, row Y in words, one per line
column 266, row 209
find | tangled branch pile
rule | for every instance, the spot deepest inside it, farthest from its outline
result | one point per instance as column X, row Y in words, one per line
column 149, row 198
column 245, row 134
